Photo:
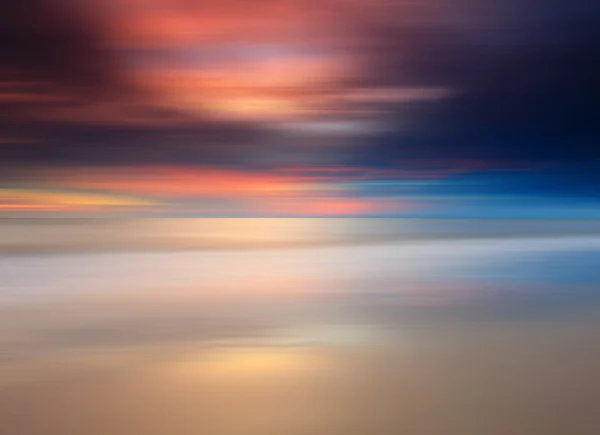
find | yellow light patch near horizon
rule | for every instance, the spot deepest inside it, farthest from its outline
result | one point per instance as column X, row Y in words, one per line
column 38, row 198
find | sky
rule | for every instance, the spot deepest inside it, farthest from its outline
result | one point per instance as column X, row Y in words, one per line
column 300, row 108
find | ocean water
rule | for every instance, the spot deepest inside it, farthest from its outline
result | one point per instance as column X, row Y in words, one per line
column 300, row 326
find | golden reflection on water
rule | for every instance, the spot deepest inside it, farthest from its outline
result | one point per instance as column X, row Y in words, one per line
column 245, row 363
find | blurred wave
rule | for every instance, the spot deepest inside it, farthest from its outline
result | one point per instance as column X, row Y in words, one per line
column 98, row 234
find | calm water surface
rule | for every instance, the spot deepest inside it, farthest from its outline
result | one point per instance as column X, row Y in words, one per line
column 458, row 328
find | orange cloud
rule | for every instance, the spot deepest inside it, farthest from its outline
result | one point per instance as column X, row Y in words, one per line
column 172, row 23
column 249, row 88
column 177, row 182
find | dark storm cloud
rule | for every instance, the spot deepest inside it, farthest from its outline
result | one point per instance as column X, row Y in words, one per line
column 535, row 102
column 52, row 59
column 44, row 40
column 526, row 90
column 76, row 144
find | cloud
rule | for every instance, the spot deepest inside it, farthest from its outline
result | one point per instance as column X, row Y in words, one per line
column 44, row 39
column 233, row 84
